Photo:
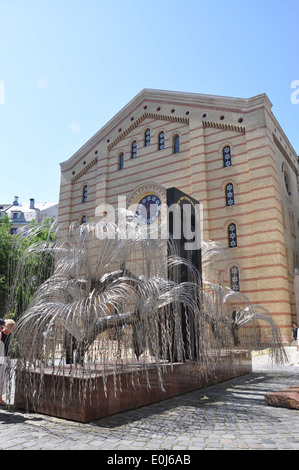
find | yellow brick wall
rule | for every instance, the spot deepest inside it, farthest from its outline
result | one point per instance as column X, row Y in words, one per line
column 205, row 124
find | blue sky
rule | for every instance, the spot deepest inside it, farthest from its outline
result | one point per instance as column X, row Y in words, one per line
column 68, row 66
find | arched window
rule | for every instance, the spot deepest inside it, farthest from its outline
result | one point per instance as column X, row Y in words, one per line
column 84, row 193
column 176, row 144
column 83, row 219
column 121, row 161
column 134, row 149
column 227, row 158
column 229, row 194
column 232, row 235
column 147, row 138
column 287, row 183
column 235, row 278
column 161, row 141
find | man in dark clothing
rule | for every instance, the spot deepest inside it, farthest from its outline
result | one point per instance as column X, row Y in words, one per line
column 294, row 331
column 2, row 365
column 70, row 344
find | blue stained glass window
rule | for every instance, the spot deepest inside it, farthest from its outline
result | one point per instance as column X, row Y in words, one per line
column 227, row 158
column 229, row 194
column 121, row 161
column 85, row 192
column 176, row 144
column 232, row 235
column 234, row 278
column 134, row 149
column 147, row 138
column 161, row 143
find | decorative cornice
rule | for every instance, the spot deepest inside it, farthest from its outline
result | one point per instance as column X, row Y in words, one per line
column 148, row 187
column 234, row 105
column 142, row 118
column 84, row 170
column 226, row 127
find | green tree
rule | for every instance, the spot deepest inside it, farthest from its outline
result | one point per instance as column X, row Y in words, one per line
column 5, row 247
column 30, row 263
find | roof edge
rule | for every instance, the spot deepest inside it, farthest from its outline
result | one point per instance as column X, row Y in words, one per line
column 156, row 94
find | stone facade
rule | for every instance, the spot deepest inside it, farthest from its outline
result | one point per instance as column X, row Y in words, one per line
column 230, row 154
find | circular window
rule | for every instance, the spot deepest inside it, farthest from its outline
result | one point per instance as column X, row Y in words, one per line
column 149, row 208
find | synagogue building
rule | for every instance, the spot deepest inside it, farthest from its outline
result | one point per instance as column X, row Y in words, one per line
column 230, row 154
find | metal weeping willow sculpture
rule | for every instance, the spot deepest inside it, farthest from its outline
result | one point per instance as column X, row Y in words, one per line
column 113, row 303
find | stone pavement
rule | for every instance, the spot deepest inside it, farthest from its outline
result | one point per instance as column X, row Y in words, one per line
column 231, row 415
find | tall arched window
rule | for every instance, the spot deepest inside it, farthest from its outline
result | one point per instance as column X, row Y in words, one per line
column 232, row 235
column 235, row 278
column 121, row 159
column 176, row 144
column 147, row 138
column 83, row 219
column 227, row 157
column 134, row 149
column 229, row 194
column 287, row 182
column 84, row 193
column 161, row 141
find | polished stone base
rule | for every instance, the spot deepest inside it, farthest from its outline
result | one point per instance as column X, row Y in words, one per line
column 88, row 401
column 286, row 398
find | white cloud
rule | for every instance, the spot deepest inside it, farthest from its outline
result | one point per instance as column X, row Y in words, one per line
column 43, row 83
column 75, row 127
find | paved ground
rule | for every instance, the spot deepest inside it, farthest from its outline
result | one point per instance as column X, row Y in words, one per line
column 231, row 415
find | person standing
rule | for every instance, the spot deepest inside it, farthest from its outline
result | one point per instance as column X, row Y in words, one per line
column 294, row 335
column 70, row 344
column 7, row 335
column 2, row 365
column 5, row 343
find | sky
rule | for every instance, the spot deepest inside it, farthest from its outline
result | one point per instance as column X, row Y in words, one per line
column 68, row 66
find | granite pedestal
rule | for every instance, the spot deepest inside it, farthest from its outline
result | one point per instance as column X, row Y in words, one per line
column 83, row 399
column 286, row 398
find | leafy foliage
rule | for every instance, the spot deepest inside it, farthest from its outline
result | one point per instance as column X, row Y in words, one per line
column 23, row 253
column 5, row 247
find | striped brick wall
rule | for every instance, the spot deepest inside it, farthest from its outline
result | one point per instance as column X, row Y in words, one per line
column 266, row 216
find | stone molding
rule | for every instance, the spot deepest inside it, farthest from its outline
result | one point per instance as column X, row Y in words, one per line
column 226, row 127
column 84, row 170
column 138, row 121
